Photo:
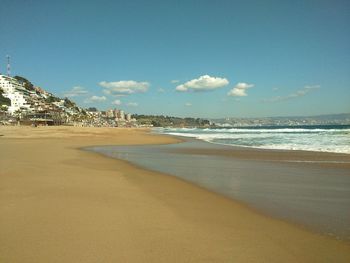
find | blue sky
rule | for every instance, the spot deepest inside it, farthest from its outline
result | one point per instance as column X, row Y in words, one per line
column 185, row 58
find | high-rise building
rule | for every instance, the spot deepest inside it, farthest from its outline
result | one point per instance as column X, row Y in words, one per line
column 110, row 113
column 122, row 115
column 116, row 113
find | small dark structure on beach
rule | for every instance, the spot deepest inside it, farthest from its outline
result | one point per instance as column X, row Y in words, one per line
column 38, row 119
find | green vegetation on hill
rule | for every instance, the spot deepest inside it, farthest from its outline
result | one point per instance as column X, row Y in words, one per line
column 167, row 121
column 69, row 104
column 51, row 99
column 3, row 100
column 92, row 109
column 26, row 83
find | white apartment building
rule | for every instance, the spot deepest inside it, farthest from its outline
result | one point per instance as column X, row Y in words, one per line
column 110, row 113
column 15, row 91
column 121, row 115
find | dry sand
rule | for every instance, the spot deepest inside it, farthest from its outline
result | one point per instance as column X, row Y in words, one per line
column 61, row 204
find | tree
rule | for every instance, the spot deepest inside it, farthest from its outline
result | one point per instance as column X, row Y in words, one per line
column 3, row 100
column 92, row 109
column 26, row 83
column 164, row 121
column 68, row 103
column 51, row 99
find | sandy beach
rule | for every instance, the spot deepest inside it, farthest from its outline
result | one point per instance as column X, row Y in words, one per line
column 61, row 204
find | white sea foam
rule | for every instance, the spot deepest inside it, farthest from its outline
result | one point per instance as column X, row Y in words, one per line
column 255, row 130
column 307, row 139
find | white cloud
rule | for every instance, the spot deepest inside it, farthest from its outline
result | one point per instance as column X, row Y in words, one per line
column 240, row 89
column 299, row 93
column 174, row 81
column 203, row 83
column 132, row 104
column 117, row 102
column 95, row 99
column 188, row 104
column 124, row 87
column 108, row 92
column 76, row 91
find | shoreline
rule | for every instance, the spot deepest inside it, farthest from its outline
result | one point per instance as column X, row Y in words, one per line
column 246, row 206
column 98, row 208
column 278, row 184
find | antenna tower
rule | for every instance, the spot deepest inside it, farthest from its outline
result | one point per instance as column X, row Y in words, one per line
column 8, row 66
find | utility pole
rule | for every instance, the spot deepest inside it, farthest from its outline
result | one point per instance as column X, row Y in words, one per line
column 8, row 66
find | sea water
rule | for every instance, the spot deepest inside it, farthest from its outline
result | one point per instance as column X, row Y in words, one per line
column 325, row 138
column 312, row 195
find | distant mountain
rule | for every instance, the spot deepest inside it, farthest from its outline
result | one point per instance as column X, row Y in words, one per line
column 328, row 119
column 340, row 116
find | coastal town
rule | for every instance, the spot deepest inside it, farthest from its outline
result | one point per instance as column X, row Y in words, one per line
column 23, row 103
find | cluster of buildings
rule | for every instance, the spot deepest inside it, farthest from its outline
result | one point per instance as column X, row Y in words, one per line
column 33, row 105
column 118, row 115
column 110, row 118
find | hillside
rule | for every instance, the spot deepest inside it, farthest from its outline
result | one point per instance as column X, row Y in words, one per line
column 167, row 121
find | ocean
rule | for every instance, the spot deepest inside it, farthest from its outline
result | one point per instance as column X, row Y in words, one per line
column 320, row 138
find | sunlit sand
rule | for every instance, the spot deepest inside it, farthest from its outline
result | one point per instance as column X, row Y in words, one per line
column 61, row 204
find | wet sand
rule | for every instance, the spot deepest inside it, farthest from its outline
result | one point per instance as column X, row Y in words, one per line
column 303, row 189
column 61, row 204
